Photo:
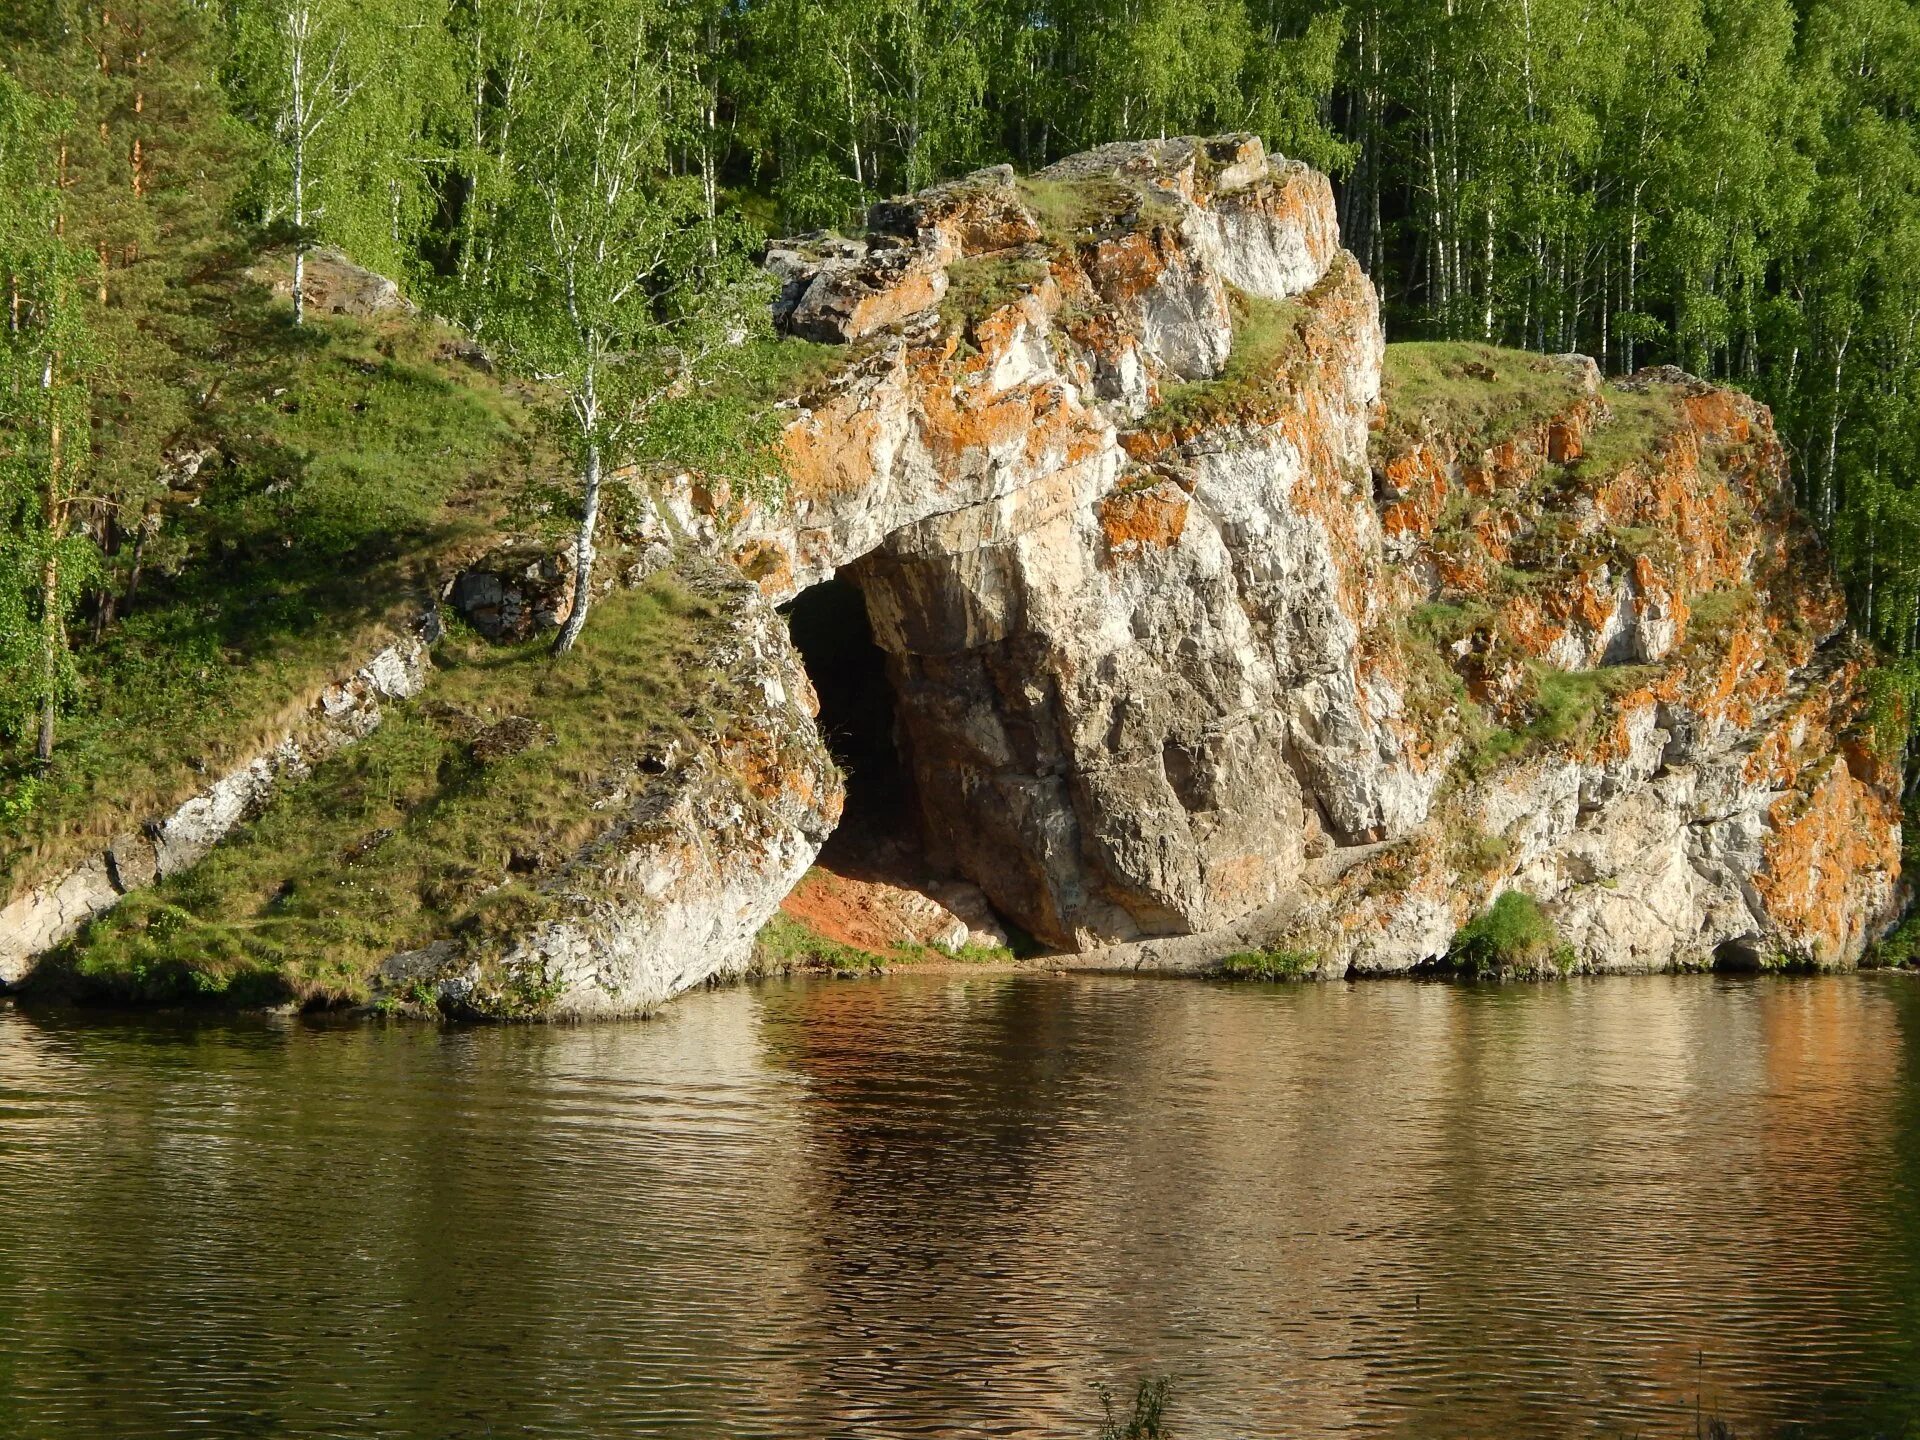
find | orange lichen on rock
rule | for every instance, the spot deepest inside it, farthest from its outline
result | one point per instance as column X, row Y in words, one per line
column 1416, row 480
column 1133, row 519
column 1821, row 841
column 768, row 564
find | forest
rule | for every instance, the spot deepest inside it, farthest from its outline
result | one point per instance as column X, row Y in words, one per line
column 1730, row 186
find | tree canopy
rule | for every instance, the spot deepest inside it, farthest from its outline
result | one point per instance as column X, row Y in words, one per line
column 1732, row 186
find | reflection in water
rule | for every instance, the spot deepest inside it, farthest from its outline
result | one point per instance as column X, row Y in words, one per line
column 947, row 1206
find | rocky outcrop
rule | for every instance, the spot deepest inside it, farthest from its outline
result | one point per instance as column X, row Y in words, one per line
column 344, row 711
column 1673, row 749
column 1121, row 640
column 334, row 284
column 1210, row 625
column 1186, row 628
column 697, row 849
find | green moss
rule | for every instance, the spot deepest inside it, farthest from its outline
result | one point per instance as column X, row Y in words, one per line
column 1512, row 936
column 1477, row 394
column 1279, row 963
column 417, row 830
column 1266, row 335
column 978, row 287
column 730, row 425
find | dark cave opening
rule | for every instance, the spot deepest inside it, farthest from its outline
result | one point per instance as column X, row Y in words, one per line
column 830, row 629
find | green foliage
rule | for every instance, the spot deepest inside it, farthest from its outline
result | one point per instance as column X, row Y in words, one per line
column 1512, row 936
column 417, row 828
column 1901, row 948
column 1893, row 701
column 1266, row 336
column 1148, row 1418
column 48, row 357
column 350, row 458
column 1278, row 963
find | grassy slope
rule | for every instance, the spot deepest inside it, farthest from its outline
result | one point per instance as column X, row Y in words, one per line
column 435, row 822
column 352, row 459
column 1446, row 384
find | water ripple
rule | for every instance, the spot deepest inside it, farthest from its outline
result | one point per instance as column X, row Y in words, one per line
column 952, row 1206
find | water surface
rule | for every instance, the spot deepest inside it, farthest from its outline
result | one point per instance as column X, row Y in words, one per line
column 952, row 1206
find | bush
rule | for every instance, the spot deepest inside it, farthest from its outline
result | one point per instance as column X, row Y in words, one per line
column 1274, row 964
column 1511, row 935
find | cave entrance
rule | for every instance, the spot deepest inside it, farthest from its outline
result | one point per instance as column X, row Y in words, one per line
column 879, row 831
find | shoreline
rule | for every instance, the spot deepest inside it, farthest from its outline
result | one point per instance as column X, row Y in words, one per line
column 29, row 1003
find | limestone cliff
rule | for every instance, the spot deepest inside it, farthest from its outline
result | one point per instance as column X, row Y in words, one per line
column 1176, row 650
column 1212, row 622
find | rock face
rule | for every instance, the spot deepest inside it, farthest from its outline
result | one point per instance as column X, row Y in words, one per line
column 1185, row 628
column 1210, row 624
column 697, row 850
column 334, row 284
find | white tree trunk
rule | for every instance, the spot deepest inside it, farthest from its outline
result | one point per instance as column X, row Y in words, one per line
column 582, row 555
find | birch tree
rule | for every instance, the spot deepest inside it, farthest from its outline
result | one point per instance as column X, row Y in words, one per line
column 609, row 282
column 301, row 63
column 44, row 406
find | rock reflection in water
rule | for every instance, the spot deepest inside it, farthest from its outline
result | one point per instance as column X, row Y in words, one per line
column 949, row 1206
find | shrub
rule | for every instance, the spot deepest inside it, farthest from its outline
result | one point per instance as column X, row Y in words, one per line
column 1901, row 949
column 1511, row 935
column 1275, row 964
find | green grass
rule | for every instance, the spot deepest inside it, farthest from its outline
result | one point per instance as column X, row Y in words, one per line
column 445, row 819
column 1571, row 706
column 1447, row 622
column 978, row 287
column 1072, row 211
column 1713, row 615
column 1266, row 335
column 1442, row 385
column 1472, row 851
column 785, row 943
column 1640, row 420
column 1513, row 935
column 1277, row 963
column 351, row 456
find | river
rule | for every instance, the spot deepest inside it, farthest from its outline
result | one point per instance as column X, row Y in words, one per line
column 953, row 1205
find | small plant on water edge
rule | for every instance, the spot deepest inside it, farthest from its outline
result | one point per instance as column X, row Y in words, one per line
column 1511, row 935
column 1276, row 964
column 1148, row 1421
